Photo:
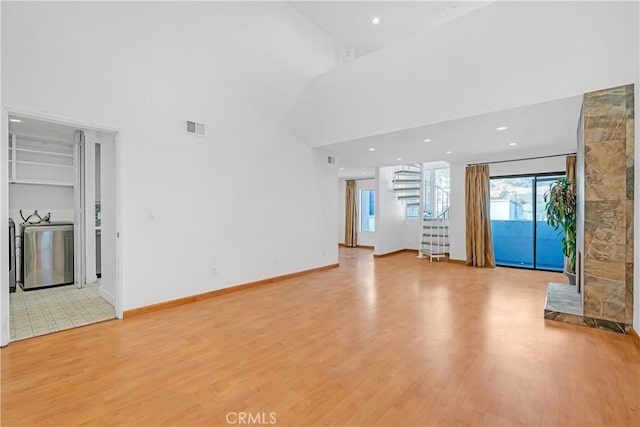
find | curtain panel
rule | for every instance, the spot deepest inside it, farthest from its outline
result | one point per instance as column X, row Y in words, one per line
column 571, row 168
column 478, row 221
column 351, row 215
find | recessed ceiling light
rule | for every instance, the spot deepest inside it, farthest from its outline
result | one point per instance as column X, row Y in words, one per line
column 372, row 149
column 513, row 143
column 399, row 158
column 15, row 120
column 501, row 128
column 341, row 168
column 449, row 152
column 375, row 21
column 364, row 173
column 427, row 140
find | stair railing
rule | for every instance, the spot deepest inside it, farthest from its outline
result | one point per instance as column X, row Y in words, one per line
column 434, row 233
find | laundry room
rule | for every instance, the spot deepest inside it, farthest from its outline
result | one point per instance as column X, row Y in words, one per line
column 55, row 210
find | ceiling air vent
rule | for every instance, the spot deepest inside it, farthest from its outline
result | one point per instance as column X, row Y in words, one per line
column 349, row 54
column 195, row 128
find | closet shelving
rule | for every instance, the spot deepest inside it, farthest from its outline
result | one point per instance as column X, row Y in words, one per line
column 40, row 162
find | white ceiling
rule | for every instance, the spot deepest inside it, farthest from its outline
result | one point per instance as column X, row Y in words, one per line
column 540, row 129
column 349, row 22
column 38, row 129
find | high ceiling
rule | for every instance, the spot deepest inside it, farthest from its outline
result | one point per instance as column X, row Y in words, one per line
column 350, row 22
column 542, row 129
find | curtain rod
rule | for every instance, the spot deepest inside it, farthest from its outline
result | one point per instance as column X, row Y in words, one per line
column 519, row 160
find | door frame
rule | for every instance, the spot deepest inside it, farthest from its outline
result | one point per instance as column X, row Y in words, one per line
column 5, row 334
column 79, row 212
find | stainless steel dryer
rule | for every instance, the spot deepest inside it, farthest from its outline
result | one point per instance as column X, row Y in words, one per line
column 47, row 254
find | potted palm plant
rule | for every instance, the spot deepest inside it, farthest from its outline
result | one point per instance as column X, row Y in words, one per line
column 560, row 205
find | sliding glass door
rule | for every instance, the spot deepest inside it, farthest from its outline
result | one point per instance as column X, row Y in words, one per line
column 521, row 236
column 512, row 223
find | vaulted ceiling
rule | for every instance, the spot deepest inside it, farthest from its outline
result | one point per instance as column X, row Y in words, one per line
column 350, row 22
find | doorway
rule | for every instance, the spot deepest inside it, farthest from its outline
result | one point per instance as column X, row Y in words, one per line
column 67, row 172
column 521, row 236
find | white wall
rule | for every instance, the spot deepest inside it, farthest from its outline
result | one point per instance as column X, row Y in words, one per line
column 390, row 215
column 252, row 191
column 342, row 186
column 548, row 165
column 411, row 227
column 326, row 179
column 457, row 222
column 44, row 198
column 504, row 55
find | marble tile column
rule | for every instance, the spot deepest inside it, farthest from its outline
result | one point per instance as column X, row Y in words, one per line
column 607, row 203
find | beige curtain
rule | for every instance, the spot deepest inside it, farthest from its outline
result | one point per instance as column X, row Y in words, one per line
column 351, row 215
column 571, row 168
column 479, row 243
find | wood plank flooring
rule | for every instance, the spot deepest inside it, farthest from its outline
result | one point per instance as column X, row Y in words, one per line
column 391, row 341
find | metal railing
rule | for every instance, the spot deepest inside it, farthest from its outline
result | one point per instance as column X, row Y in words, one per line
column 441, row 202
column 434, row 239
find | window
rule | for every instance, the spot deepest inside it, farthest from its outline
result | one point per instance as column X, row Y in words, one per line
column 367, row 211
column 413, row 211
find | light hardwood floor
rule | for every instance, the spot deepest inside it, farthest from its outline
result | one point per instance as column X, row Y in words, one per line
column 386, row 342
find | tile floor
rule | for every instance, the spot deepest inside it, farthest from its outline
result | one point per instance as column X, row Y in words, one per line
column 43, row 311
column 563, row 298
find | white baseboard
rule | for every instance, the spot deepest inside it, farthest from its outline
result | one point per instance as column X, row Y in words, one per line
column 108, row 296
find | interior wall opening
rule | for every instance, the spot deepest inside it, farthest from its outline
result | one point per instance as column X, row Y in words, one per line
column 62, row 194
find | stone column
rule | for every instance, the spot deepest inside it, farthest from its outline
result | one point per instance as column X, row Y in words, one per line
column 608, row 156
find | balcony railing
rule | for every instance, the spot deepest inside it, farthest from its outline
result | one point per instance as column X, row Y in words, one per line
column 514, row 246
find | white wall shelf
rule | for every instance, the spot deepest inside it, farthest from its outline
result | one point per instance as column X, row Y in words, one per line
column 42, row 182
column 51, row 153
column 38, row 163
column 24, row 162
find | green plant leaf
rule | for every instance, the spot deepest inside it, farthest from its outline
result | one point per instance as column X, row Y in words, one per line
column 560, row 206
